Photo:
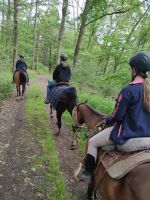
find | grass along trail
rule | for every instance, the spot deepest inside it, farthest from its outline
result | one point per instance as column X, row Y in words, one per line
column 34, row 164
column 29, row 167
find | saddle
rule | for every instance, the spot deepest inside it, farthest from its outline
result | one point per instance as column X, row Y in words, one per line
column 58, row 94
column 62, row 83
column 118, row 164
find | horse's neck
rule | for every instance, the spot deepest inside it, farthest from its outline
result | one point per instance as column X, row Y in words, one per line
column 91, row 117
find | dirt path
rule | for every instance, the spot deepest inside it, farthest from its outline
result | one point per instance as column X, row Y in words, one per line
column 69, row 159
column 17, row 181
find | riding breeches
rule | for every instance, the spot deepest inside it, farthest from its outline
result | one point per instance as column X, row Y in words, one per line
column 99, row 140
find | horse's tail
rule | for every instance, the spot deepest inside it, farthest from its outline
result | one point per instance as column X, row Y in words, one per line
column 73, row 94
column 22, row 78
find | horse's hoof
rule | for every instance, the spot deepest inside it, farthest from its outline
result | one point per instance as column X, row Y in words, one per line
column 57, row 134
column 73, row 145
column 17, row 99
column 46, row 101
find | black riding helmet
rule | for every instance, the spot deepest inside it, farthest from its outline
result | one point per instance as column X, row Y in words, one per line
column 141, row 62
column 21, row 56
column 63, row 57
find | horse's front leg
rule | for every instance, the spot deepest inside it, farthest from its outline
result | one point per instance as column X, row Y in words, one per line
column 51, row 112
column 19, row 91
column 91, row 192
column 17, row 88
column 74, row 139
column 58, row 114
column 23, row 89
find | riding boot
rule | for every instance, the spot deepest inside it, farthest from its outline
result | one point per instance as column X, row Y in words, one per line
column 86, row 174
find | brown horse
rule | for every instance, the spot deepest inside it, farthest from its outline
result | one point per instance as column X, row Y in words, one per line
column 80, row 116
column 20, row 79
column 134, row 186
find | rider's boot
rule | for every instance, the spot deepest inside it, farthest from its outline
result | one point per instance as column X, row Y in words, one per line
column 86, row 174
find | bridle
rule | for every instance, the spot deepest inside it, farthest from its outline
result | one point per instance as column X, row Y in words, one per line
column 76, row 124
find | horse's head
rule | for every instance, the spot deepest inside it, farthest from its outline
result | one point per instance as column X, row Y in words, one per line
column 77, row 116
column 83, row 113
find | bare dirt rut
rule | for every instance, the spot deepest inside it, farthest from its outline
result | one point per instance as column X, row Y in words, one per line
column 17, row 182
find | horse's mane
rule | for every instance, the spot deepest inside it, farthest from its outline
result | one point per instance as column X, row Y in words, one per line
column 93, row 110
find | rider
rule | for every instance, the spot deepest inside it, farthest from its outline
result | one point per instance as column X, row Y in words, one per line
column 61, row 75
column 21, row 66
column 131, row 114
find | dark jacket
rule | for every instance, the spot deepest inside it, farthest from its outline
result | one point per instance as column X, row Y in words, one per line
column 62, row 74
column 21, row 65
column 131, row 119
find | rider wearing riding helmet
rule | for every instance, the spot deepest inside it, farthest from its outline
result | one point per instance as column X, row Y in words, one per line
column 21, row 66
column 61, row 75
column 62, row 72
column 131, row 115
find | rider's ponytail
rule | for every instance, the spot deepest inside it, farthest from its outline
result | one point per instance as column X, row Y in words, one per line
column 146, row 87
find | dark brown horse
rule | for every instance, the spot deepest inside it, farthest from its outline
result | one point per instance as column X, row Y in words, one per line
column 67, row 102
column 20, row 79
column 134, row 186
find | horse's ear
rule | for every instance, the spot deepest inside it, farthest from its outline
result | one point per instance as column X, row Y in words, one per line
column 86, row 101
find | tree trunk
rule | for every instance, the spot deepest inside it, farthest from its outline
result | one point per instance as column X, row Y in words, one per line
column 3, row 21
column 34, row 36
column 8, row 23
column 62, row 28
column 15, row 33
column 74, row 21
column 37, row 53
column 80, row 35
column 50, row 57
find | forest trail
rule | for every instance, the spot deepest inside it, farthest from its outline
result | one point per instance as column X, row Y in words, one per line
column 17, row 180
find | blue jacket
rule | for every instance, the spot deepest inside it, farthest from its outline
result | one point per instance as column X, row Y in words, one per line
column 131, row 119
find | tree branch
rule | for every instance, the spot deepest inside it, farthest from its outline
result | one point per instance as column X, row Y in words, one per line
column 112, row 13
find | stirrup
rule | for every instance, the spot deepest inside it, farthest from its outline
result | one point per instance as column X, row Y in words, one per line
column 85, row 176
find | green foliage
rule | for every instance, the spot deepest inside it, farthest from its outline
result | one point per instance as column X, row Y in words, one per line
column 54, row 186
column 108, row 43
column 5, row 85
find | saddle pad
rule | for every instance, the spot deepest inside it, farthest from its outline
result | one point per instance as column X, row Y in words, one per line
column 118, row 165
column 55, row 95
